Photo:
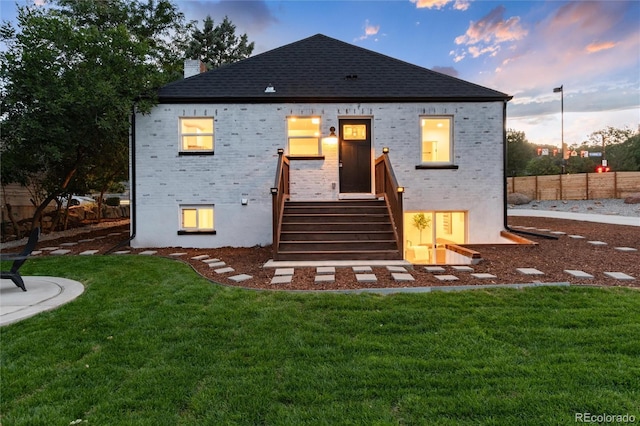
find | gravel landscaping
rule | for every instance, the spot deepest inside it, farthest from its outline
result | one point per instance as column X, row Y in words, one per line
column 604, row 206
column 590, row 260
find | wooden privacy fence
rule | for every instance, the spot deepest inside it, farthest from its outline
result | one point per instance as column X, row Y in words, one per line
column 583, row 186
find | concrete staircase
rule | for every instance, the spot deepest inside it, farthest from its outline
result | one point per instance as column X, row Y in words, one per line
column 337, row 230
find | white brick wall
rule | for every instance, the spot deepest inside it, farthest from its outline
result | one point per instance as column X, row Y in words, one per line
column 247, row 138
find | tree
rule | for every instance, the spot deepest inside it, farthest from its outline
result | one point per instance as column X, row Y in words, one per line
column 620, row 147
column 157, row 25
column 609, row 136
column 69, row 79
column 578, row 164
column 544, row 165
column 626, row 155
column 217, row 46
column 519, row 153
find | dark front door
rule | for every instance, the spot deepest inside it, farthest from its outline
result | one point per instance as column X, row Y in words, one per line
column 355, row 155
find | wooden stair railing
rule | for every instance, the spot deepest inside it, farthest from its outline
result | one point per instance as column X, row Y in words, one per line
column 387, row 187
column 279, row 194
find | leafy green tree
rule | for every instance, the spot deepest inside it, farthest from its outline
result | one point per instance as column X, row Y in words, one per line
column 580, row 164
column 609, row 136
column 69, row 80
column 155, row 25
column 519, row 153
column 544, row 165
column 217, row 45
column 626, row 155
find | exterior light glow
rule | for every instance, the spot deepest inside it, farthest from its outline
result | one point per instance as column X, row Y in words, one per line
column 332, row 138
column 385, row 150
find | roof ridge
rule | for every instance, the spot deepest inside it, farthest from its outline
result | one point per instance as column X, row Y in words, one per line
column 297, row 71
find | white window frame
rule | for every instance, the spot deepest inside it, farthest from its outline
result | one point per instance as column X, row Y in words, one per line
column 187, row 151
column 197, row 229
column 318, row 138
column 451, row 141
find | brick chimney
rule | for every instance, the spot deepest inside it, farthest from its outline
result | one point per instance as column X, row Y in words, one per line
column 193, row 67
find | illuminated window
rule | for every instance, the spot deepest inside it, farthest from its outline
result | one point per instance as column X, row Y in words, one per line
column 426, row 233
column 436, row 140
column 196, row 135
column 304, row 136
column 196, row 219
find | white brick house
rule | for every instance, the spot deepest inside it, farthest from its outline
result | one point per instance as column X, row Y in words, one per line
column 205, row 159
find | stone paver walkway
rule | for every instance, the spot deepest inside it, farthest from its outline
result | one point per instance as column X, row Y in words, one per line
column 366, row 274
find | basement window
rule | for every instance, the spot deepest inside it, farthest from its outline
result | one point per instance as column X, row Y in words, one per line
column 427, row 232
column 196, row 135
column 303, row 135
column 196, row 220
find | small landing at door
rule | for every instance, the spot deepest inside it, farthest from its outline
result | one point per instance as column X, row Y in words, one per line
column 356, row 196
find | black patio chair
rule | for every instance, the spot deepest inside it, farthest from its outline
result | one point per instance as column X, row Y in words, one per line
column 18, row 259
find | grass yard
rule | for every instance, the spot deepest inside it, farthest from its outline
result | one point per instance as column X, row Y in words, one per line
column 152, row 343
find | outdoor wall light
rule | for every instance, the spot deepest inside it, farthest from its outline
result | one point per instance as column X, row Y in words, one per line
column 280, row 151
column 385, row 150
column 400, row 189
column 274, row 191
column 244, row 201
column 332, row 138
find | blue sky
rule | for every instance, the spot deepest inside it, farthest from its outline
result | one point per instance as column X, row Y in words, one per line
column 523, row 48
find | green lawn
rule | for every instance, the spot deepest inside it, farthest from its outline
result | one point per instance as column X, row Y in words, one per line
column 152, row 343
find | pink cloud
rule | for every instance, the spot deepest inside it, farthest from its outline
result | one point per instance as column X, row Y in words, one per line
column 493, row 28
column 430, row 4
column 583, row 15
column 486, row 35
column 439, row 4
column 476, row 51
column 597, row 47
column 461, row 5
column 560, row 51
column 369, row 30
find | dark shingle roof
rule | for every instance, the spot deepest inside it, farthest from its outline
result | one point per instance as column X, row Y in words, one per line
column 323, row 69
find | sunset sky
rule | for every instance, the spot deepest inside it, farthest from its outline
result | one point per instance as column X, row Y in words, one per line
column 523, row 48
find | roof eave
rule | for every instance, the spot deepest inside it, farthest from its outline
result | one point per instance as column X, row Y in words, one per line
column 360, row 99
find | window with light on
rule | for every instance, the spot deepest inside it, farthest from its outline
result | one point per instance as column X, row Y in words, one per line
column 436, row 140
column 427, row 232
column 196, row 134
column 197, row 218
column 304, row 136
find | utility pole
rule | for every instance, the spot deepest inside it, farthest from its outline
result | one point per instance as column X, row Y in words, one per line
column 561, row 91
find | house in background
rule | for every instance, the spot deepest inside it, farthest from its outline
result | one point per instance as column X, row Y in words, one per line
column 326, row 150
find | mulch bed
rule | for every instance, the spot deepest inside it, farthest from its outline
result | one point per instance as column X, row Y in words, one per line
column 551, row 256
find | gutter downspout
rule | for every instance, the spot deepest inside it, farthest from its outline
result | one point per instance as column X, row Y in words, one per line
column 504, row 192
column 132, row 185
